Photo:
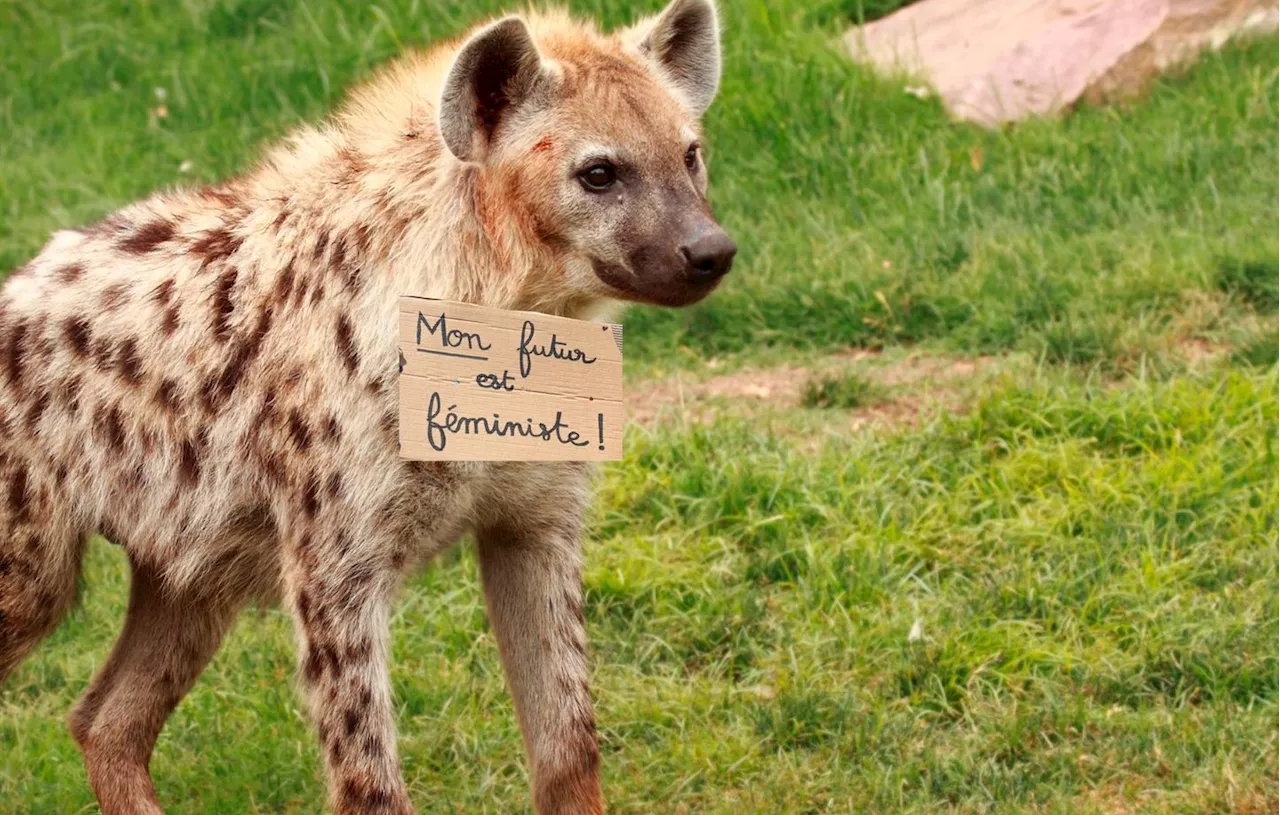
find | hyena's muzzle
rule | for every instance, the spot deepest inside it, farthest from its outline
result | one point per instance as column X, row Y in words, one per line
column 677, row 258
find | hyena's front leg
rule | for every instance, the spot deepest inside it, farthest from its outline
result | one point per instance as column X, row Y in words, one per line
column 533, row 588
column 339, row 585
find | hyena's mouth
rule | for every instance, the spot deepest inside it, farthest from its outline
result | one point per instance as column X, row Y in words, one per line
column 659, row 287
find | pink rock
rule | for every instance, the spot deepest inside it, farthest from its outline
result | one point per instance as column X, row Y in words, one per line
column 996, row 61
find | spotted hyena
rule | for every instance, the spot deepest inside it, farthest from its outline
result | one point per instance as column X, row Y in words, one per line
column 208, row 378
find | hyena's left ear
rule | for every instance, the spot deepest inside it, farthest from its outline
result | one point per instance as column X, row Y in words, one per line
column 493, row 73
column 684, row 42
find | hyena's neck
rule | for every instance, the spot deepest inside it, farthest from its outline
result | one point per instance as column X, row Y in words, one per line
column 398, row 216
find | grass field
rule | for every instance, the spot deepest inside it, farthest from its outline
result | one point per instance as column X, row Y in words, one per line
column 1051, row 587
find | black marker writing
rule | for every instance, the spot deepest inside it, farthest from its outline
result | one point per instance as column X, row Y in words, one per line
column 492, row 382
column 450, row 338
column 555, row 349
column 438, row 430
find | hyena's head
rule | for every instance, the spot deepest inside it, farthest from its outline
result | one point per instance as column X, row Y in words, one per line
column 588, row 146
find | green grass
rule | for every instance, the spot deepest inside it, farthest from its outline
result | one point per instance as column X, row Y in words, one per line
column 845, row 389
column 1060, row 599
column 1092, row 573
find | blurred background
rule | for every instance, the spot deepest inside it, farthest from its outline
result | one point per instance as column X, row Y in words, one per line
column 959, row 495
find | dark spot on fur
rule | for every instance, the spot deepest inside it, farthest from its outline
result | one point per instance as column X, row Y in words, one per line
column 130, row 362
column 114, row 296
column 222, row 305
column 167, row 396
column 362, row 797
column 111, row 427
column 353, row 162
column 332, row 430
column 280, row 218
column 347, row 345
column 76, row 331
column 352, row 794
column 189, row 464
column 313, row 666
column 334, row 486
column 322, row 240
column 351, row 721
column 299, row 430
column 300, row 291
column 372, row 747
column 338, row 257
column 343, row 545
column 163, row 292
column 103, row 353
column 37, row 409
column 330, row 658
column 284, row 283
column 273, row 469
column 170, row 322
column 147, row 237
column 14, row 354
column 363, row 237
column 242, row 357
column 311, row 497
column 225, row 196
column 304, row 607
column 267, row 413
column 378, row 799
column 71, row 273
column 18, row 496
column 217, row 244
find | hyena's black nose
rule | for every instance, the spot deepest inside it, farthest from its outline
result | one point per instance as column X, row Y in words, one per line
column 709, row 255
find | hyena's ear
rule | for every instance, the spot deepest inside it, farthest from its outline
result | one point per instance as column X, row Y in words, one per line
column 684, row 41
column 494, row 72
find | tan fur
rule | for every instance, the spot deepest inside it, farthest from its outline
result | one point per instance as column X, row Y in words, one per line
column 208, row 377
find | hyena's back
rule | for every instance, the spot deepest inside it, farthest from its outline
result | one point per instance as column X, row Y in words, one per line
column 157, row 385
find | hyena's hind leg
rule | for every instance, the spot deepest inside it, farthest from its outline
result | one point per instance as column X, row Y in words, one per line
column 40, row 554
column 168, row 639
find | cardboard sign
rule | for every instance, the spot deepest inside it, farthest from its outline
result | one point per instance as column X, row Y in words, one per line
column 483, row 384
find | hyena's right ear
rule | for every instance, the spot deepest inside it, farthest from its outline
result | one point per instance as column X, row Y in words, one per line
column 494, row 71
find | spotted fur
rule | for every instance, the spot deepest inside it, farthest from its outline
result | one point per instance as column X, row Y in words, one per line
column 208, row 378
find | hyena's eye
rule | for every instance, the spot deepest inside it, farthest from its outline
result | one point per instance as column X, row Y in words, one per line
column 599, row 176
column 691, row 157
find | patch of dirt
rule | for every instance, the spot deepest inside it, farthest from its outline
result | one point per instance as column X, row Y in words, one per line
column 912, row 384
column 1198, row 351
